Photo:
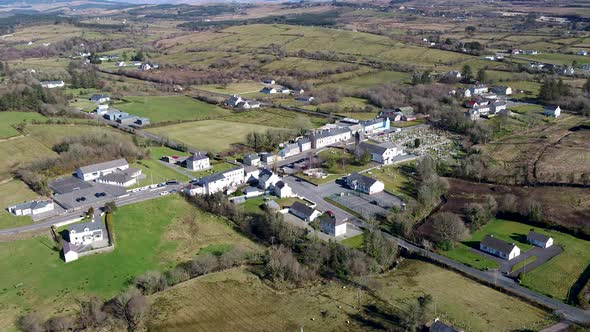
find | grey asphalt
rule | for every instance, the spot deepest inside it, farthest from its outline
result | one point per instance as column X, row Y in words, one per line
column 542, row 254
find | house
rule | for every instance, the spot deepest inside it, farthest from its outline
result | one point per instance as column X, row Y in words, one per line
column 497, row 106
column 125, row 178
column 267, row 179
column 285, row 90
column 31, row 208
column 283, row 190
column 502, row 90
column 121, row 64
column 253, row 192
column 330, row 136
column 304, row 212
column 222, row 181
column 268, row 90
column 531, row 52
column 539, row 240
column 566, row 71
column 453, row 74
column 93, row 172
column 102, row 109
column 376, row 125
column 70, row 252
column 439, row 326
column 127, row 119
column 114, row 114
column 269, row 81
column 52, row 84
column 85, row 233
column 499, row 248
column 248, row 104
column 407, row 113
column 307, row 99
column 482, row 109
column 364, row 184
column 268, row 158
column 198, row 162
column 478, row 89
column 141, row 122
column 99, row 98
column 331, row 226
column 304, row 144
column 290, row 150
column 148, row 66
column 383, row 153
column 252, row 159
column 490, row 58
column 251, row 174
column 473, row 114
column 552, row 111
column 582, row 52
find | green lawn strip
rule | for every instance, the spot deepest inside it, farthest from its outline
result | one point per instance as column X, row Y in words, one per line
column 9, row 119
column 406, row 124
column 216, row 249
column 356, row 241
column 522, row 264
column 157, row 152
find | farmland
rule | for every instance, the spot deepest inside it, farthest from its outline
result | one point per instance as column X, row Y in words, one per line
column 198, row 134
column 18, row 152
column 51, row 134
column 278, row 118
column 141, row 246
column 169, row 108
column 9, row 119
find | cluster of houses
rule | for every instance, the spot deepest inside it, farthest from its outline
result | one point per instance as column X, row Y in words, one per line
column 237, row 102
column 483, row 102
column 549, row 67
column 405, row 113
column 509, row 251
column 270, row 87
column 114, row 114
column 140, row 65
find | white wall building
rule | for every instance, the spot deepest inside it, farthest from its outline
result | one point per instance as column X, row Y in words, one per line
column 329, row 136
column 499, row 248
column 198, row 162
column 31, row 208
column 93, row 172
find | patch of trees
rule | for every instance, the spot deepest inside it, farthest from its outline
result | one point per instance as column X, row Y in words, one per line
column 455, row 121
column 268, row 140
column 448, row 229
column 75, row 152
column 26, row 98
column 305, row 19
column 555, row 91
column 83, row 75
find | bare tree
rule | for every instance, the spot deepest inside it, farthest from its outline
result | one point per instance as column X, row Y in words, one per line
column 91, row 313
column 31, row 322
column 448, row 227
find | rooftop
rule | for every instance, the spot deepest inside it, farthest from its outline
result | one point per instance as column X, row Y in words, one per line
column 361, row 179
column 102, row 166
column 502, row 246
column 302, row 208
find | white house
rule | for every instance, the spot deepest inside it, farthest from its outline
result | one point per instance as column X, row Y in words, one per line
column 383, row 153
column 269, row 90
column 269, row 81
column 304, row 144
column 70, row 252
column 497, row 106
column 102, row 109
column 222, row 181
column 92, row 172
column 304, row 212
column 539, row 240
column 99, row 98
column 252, row 159
column 475, row 90
column 364, row 184
column 53, row 84
column 552, row 111
column 283, row 190
column 502, row 90
column 376, row 125
column 267, row 179
column 329, row 136
column 582, row 52
column 198, row 162
column 499, row 248
column 290, row 150
column 85, row 233
column 31, row 208
column 331, row 226
column 267, row 157
column 453, row 74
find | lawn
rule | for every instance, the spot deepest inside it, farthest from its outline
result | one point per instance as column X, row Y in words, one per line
column 278, row 118
column 157, row 152
column 459, row 300
column 216, row 167
column 356, row 241
column 152, row 235
column 199, row 134
column 406, row 124
column 161, row 109
column 233, row 88
column 9, row 119
column 156, row 172
column 398, row 178
column 51, row 134
column 341, row 162
column 524, row 263
column 82, row 104
column 12, row 193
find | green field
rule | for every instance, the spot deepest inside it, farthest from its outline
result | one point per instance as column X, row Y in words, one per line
column 19, row 152
column 233, row 88
column 51, row 134
column 14, row 192
column 343, row 162
column 524, row 263
column 369, row 80
column 156, row 172
column 8, row 119
column 199, row 134
column 170, row 108
column 459, row 300
column 151, row 235
column 276, row 117
column 397, row 178
column 354, row 242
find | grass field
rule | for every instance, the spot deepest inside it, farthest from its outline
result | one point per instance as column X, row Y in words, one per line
column 459, row 300
column 557, row 58
column 369, row 80
column 51, row 134
column 14, row 192
column 17, row 152
column 156, row 172
column 8, row 119
column 170, row 108
column 276, row 117
column 524, row 263
column 354, row 242
column 198, row 134
column 150, row 236
column 397, row 178
column 343, row 162
column 233, row 88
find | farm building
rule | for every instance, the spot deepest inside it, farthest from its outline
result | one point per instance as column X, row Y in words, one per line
column 31, row 208
column 331, row 226
column 99, row 98
column 114, row 115
column 92, row 172
column 127, row 119
column 552, row 111
column 499, row 248
column 539, row 240
column 364, row 184
column 52, row 84
column 304, row 212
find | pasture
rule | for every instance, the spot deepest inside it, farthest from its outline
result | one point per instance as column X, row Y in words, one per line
column 278, row 118
column 153, row 235
column 170, row 108
column 369, row 80
column 51, row 134
column 459, row 300
column 9, row 119
column 233, row 88
column 14, row 192
column 17, row 152
column 198, row 134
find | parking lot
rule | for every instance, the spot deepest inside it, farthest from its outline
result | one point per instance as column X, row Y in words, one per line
column 89, row 195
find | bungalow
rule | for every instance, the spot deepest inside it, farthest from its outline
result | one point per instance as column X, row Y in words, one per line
column 285, row 90
column 582, row 52
column 125, row 178
column 52, row 84
column 502, row 90
column 331, row 226
column 99, row 98
column 267, row 179
column 329, row 136
column 383, row 153
column 142, row 122
column 499, row 248
column 375, row 125
column 252, row 159
column 566, row 71
column 268, row 90
column 31, row 208
column 539, row 240
column 148, row 66
column 439, row 326
column 304, row 212
column 531, row 52
column 283, row 190
column 364, row 184
column 248, row 104
column 304, row 144
column 92, row 172
column 552, row 111
column 198, row 162
column 453, row 74
column 85, row 233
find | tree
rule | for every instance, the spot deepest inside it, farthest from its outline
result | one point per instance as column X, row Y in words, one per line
column 467, row 73
column 110, row 207
column 416, row 143
column 90, row 314
column 365, row 158
column 586, row 88
column 482, row 77
column 110, row 227
column 448, row 228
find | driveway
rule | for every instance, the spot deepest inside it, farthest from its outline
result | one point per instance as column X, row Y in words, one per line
column 542, row 254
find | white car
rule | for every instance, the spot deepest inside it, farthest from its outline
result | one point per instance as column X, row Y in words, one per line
column 164, row 193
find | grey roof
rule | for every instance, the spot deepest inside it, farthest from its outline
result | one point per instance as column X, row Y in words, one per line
column 331, row 220
column 79, row 227
column 502, row 246
column 216, row 176
column 377, row 149
column 329, row 132
column 538, row 237
column 252, row 156
column 98, row 96
column 197, row 156
column 302, row 209
column 102, row 166
column 116, row 177
column 32, row 205
column 406, row 110
column 499, row 103
column 304, row 141
column 67, row 247
column 52, row 82
column 127, row 116
column 439, row 326
column 280, row 184
column 273, row 205
column 372, row 122
column 361, row 179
